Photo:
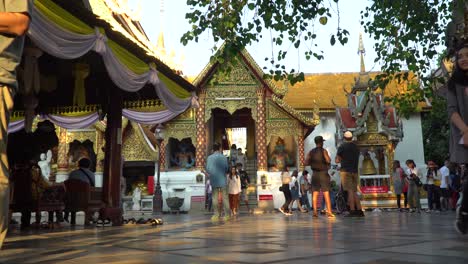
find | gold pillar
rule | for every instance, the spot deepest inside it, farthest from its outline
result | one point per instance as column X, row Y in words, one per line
column 390, row 154
column 100, row 155
column 163, row 156
column 261, row 131
column 62, row 161
column 200, row 154
column 300, row 143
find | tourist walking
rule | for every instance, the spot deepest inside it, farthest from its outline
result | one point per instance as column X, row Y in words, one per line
column 295, row 192
column 399, row 183
column 234, row 190
column 209, row 196
column 240, row 158
column 319, row 160
column 285, row 180
column 348, row 156
column 245, row 181
column 431, row 181
column 217, row 167
column 413, row 179
column 14, row 17
column 457, row 106
column 233, row 155
column 304, row 186
column 444, row 186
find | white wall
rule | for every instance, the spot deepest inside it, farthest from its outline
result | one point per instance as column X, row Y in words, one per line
column 327, row 130
column 411, row 147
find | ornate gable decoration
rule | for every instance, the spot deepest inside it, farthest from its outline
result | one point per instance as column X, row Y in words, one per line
column 183, row 126
column 137, row 146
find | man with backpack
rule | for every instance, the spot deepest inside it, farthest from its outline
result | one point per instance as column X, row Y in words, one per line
column 319, row 160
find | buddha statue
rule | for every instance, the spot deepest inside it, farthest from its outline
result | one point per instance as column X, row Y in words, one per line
column 368, row 167
column 279, row 158
column 184, row 158
column 141, row 185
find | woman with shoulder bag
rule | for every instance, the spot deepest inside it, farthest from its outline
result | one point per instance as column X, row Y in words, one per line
column 285, row 180
column 414, row 183
column 399, row 183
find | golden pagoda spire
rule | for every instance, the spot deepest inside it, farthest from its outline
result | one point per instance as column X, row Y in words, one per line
column 160, row 44
column 362, row 81
column 362, row 52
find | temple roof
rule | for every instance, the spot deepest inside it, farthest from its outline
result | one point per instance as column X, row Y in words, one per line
column 328, row 90
column 276, row 92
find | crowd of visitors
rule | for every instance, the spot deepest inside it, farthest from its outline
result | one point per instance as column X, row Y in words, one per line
column 442, row 186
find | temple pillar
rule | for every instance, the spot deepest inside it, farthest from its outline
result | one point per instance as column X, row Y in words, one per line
column 300, row 145
column 260, row 139
column 62, row 160
column 113, row 159
column 99, row 151
column 163, row 156
column 200, row 154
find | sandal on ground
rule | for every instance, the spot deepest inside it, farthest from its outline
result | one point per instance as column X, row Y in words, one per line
column 315, row 214
column 330, row 215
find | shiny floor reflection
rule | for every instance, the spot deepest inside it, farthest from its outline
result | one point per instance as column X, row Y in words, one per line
column 387, row 237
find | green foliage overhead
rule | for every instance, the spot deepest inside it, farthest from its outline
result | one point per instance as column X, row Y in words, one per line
column 436, row 131
column 242, row 22
column 407, row 32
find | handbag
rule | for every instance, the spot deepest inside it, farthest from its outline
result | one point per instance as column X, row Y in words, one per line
column 418, row 182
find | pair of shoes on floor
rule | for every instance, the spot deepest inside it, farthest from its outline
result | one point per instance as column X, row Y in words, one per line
column 105, row 222
column 461, row 221
column 215, row 218
column 155, row 221
column 130, row 221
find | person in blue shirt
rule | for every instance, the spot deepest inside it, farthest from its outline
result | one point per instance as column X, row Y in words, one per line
column 217, row 167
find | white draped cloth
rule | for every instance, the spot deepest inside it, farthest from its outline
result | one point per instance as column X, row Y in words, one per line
column 85, row 121
column 65, row 44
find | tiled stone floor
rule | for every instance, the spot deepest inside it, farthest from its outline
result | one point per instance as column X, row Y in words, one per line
column 387, row 237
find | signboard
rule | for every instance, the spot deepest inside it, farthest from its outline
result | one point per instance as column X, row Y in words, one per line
column 374, row 189
column 265, row 197
column 198, row 198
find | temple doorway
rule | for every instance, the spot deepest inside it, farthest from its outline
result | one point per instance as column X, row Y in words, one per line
column 237, row 128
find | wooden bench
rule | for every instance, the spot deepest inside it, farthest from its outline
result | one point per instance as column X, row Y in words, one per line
column 50, row 200
column 79, row 196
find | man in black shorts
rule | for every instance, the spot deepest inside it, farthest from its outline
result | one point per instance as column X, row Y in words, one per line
column 319, row 160
column 348, row 156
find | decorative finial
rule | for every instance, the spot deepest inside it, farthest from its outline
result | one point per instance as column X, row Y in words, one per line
column 362, row 52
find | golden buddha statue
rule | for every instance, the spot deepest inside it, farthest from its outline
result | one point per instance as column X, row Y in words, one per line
column 368, row 167
column 141, row 184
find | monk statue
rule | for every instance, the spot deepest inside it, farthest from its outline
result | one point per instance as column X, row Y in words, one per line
column 136, row 197
column 44, row 164
column 184, row 158
column 279, row 158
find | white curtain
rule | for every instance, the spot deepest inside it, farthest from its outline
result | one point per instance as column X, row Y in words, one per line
column 64, row 44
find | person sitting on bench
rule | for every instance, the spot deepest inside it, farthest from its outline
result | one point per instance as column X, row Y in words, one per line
column 83, row 173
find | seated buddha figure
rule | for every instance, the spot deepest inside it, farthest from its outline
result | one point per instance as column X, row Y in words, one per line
column 184, row 158
column 141, row 184
column 279, row 158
